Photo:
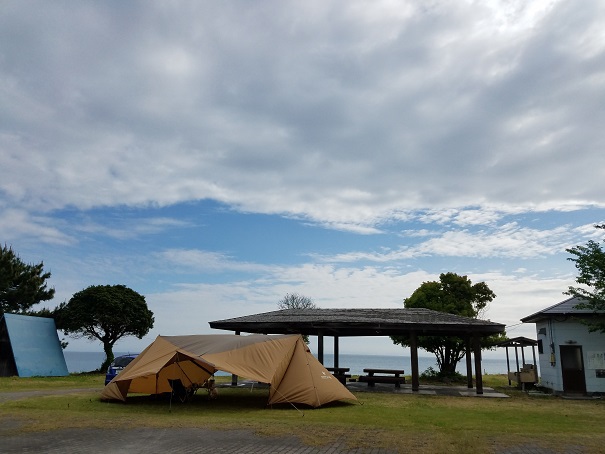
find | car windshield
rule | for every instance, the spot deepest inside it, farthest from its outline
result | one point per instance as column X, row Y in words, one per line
column 122, row 361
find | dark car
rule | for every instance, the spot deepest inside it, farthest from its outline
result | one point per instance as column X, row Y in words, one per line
column 117, row 365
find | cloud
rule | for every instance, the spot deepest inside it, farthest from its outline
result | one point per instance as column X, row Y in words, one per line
column 196, row 260
column 508, row 241
column 129, row 228
column 408, row 138
column 334, row 112
column 182, row 308
column 16, row 224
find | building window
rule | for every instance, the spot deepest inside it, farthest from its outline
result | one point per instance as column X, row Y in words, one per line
column 540, row 346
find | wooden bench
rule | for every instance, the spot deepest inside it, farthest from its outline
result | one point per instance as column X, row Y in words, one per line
column 341, row 373
column 394, row 376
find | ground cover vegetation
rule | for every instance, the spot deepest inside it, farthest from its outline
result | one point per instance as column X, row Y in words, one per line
column 435, row 424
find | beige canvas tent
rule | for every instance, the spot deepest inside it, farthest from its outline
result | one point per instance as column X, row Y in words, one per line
column 284, row 361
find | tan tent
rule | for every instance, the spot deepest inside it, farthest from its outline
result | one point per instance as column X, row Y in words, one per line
column 284, row 362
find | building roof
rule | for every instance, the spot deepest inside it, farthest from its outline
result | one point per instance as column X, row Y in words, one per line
column 565, row 308
column 517, row 342
column 359, row 322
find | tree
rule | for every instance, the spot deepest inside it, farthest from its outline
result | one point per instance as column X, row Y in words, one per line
column 590, row 262
column 106, row 313
column 453, row 294
column 21, row 285
column 296, row 301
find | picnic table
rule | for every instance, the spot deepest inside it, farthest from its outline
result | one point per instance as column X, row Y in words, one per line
column 341, row 373
column 386, row 376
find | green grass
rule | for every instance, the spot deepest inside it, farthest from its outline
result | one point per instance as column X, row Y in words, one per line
column 398, row 421
column 86, row 380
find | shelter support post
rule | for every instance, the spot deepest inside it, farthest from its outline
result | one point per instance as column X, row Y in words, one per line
column 469, row 363
column 320, row 348
column 508, row 366
column 478, row 376
column 414, row 360
column 233, row 376
column 336, row 351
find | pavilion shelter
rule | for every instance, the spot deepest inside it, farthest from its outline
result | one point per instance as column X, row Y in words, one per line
column 526, row 372
column 372, row 322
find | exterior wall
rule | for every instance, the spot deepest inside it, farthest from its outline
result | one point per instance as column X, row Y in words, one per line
column 593, row 353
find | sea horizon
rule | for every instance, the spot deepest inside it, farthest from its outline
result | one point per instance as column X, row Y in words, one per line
column 78, row 362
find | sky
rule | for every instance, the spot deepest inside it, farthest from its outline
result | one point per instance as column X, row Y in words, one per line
column 216, row 156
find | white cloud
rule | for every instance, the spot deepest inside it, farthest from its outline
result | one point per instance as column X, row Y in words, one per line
column 506, row 241
column 334, row 112
column 16, row 223
column 197, row 260
column 188, row 308
column 444, row 122
column 130, row 228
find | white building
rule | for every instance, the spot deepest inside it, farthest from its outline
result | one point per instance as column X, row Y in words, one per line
column 572, row 359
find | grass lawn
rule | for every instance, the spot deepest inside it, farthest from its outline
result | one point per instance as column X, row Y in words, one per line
column 430, row 424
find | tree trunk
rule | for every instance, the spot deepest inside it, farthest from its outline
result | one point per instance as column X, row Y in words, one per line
column 449, row 362
column 108, row 348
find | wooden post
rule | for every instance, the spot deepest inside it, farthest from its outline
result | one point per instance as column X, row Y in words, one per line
column 508, row 366
column 533, row 350
column 336, row 351
column 469, row 364
column 414, row 360
column 320, row 348
column 478, row 376
column 233, row 376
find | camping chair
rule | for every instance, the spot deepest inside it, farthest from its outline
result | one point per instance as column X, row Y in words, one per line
column 182, row 392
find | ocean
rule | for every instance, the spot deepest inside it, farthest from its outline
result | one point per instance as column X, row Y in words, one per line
column 89, row 361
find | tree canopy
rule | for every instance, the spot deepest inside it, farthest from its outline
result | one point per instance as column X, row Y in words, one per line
column 453, row 294
column 590, row 263
column 105, row 313
column 296, row 301
column 21, row 285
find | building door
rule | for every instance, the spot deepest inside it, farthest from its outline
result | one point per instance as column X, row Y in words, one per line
column 572, row 367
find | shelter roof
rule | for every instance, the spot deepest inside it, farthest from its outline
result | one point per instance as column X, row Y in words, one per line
column 517, row 342
column 564, row 308
column 359, row 322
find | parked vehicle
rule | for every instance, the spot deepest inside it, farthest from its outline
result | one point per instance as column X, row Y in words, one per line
column 117, row 365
